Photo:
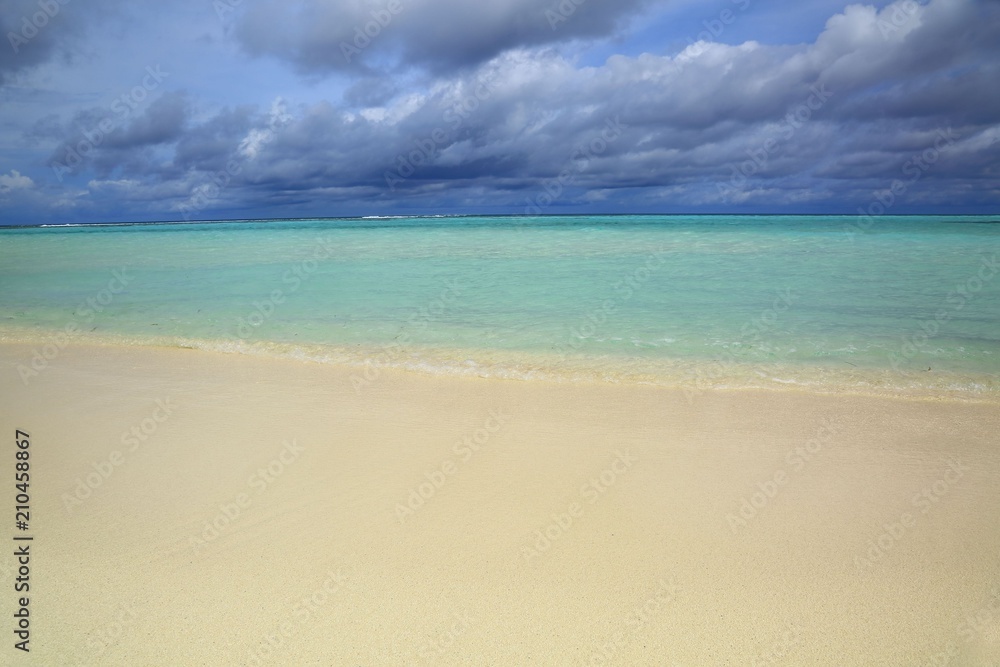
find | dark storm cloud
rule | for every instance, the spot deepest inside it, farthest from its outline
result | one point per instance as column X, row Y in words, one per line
column 107, row 141
column 712, row 93
column 524, row 127
column 38, row 31
column 329, row 35
column 206, row 147
column 882, row 84
column 162, row 122
column 33, row 33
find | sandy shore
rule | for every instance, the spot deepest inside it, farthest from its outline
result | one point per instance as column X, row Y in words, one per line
column 199, row 508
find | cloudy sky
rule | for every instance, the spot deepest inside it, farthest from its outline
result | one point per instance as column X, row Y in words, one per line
column 221, row 109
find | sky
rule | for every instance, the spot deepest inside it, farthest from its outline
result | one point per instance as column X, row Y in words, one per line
column 116, row 111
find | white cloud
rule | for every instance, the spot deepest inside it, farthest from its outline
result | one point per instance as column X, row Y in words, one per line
column 15, row 181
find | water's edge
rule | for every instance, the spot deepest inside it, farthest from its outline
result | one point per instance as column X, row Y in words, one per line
column 692, row 377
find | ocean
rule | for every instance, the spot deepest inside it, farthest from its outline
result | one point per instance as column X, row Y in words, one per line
column 831, row 303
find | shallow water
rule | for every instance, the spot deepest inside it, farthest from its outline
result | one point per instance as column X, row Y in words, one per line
column 893, row 302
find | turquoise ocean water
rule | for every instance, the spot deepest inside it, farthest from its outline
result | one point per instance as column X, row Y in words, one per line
column 886, row 304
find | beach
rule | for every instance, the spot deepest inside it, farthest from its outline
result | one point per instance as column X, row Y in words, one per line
column 538, row 333
column 194, row 507
column 532, row 333
column 594, row 440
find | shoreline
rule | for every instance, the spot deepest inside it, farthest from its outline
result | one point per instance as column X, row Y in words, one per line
column 689, row 375
column 266, row 513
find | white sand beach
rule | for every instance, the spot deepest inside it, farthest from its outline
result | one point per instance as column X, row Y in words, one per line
column 201, row 508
